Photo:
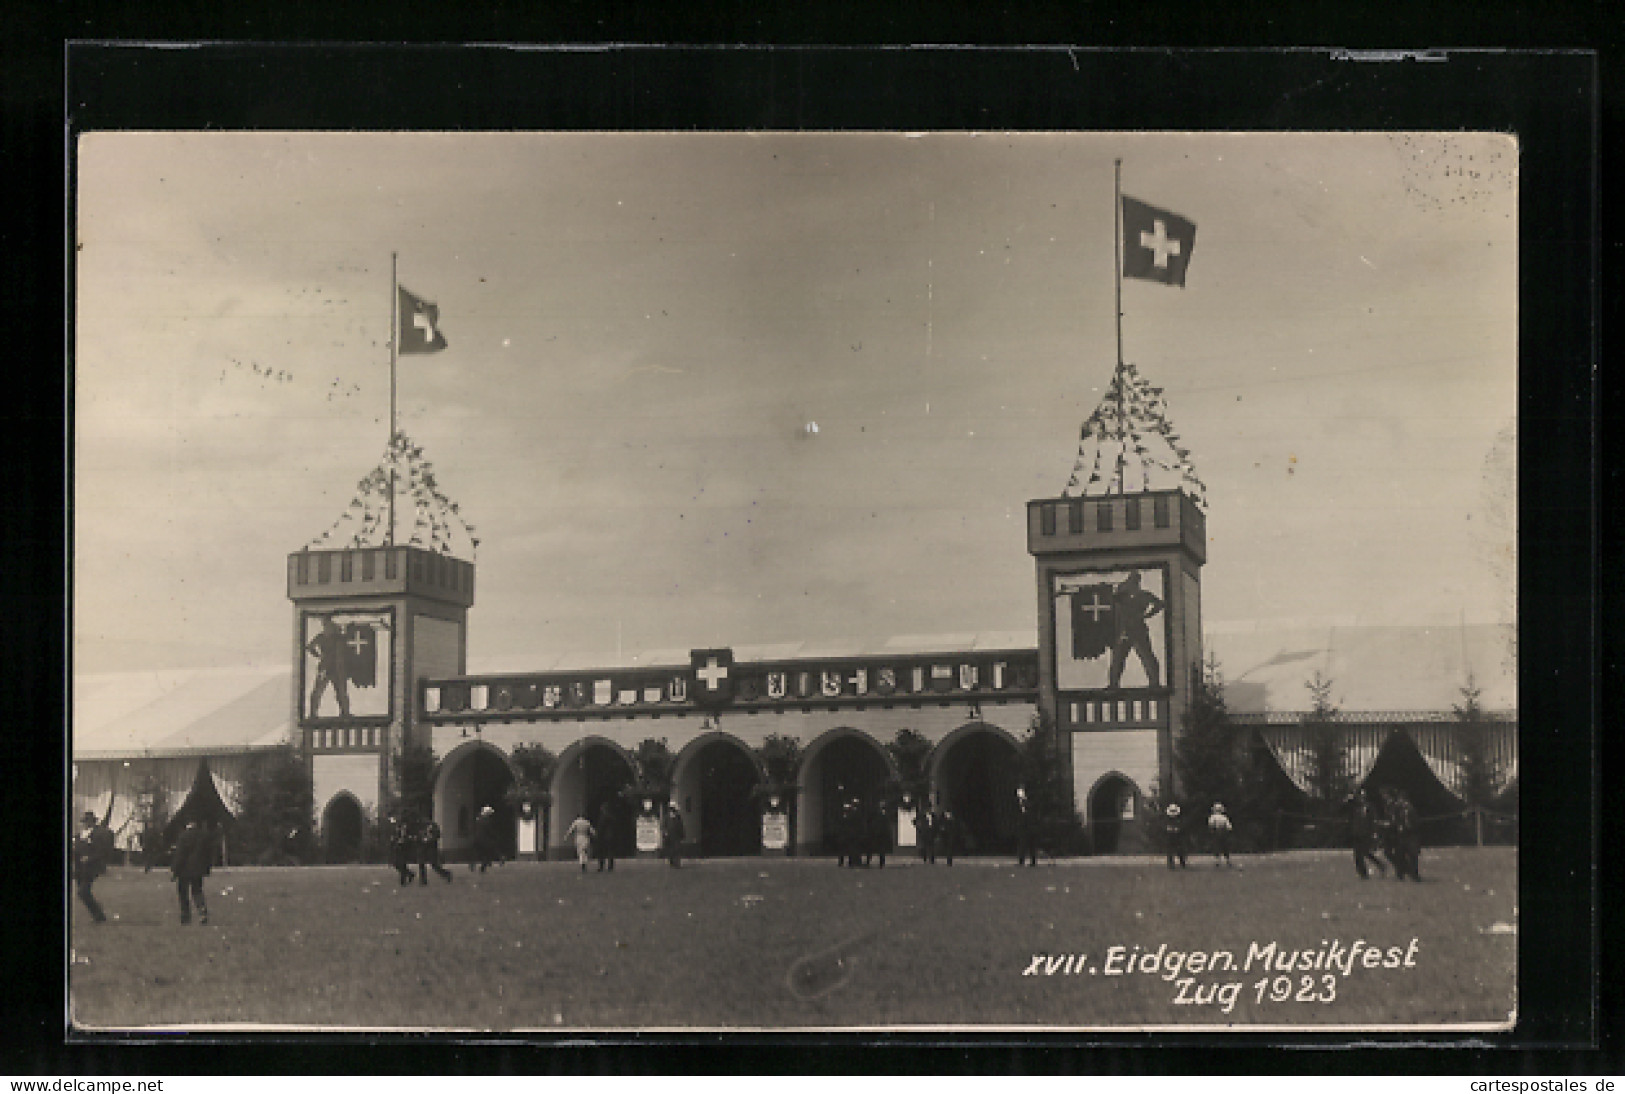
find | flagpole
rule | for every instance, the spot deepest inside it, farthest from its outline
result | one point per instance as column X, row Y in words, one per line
column 394, row 336
column 1117, row 378
column 1117, row 241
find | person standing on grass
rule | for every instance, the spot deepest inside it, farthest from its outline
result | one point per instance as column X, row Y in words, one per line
column 945, row 834
column 671, row 837
column 923, row 833
column 428, row 847
column 92, row 850
column 581, row 834
column 878, row 841
column 1173, row 830
column 607, row 833
column 189, row 865
column 1026, row 830
column 1406, row 840
column 1219, row 829
column 1363, row 835
column 400, row 848
column 485, row 838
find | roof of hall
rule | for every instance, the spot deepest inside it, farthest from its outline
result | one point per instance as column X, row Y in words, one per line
column 181, row 712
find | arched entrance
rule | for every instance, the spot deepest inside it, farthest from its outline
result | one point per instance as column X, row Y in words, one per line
column 842, row 764
column 1111, row 803
column 342, row 827
column 591, row 772
column 472, row 777
column 975, row 772
column 715, row 782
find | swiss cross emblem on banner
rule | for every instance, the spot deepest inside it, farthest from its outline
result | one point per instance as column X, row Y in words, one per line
column 713, row 676
column 1093, row 626
column 361, row 654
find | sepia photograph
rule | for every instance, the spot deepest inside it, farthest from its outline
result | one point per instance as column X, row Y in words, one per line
column 586, row 581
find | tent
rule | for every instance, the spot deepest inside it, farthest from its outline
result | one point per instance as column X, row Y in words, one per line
column 202, row 804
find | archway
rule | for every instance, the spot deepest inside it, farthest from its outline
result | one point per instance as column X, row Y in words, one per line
column 841, row 764
column 342, row 827
column 715, row 779
column 592, row 772
column 472, row 777
column 1111, row 802
column 975, row 771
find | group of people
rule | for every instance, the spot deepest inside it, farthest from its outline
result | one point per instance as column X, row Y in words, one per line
column 862, row 833
column 416, row 841
column 1383, row 821
column 599, row 841
column 1176, row 835
column 92, row 851
column 1386, row 822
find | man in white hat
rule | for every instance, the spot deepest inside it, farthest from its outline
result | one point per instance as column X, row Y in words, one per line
column 485, row 838
column 1219, row 829
column 1173, row 830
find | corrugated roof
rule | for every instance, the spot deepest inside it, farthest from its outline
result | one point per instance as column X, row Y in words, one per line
column 179, row 712
column 1370, row 667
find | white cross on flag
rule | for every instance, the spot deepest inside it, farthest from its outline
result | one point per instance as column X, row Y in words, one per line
column 1156, row 243
column 420, row 326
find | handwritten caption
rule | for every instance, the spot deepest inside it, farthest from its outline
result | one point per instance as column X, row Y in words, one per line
column 1197, row 978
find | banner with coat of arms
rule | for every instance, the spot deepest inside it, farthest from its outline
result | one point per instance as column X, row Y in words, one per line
column 1111, row 629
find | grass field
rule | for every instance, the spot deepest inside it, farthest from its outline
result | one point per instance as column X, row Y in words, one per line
column 796, row 943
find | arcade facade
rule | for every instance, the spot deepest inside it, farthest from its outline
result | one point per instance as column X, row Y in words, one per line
column 380, row 639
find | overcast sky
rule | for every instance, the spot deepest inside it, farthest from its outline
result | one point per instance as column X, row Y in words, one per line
column 644, row 330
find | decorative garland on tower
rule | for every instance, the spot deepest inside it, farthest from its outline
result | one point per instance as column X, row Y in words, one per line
column 434, row 522
column 1131, row 419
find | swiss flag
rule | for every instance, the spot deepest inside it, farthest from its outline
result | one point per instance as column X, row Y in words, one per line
column 361, row 654
column 420, row 326
column 1157, row 244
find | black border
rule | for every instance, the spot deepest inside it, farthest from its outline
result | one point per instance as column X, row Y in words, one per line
column 1551, row 100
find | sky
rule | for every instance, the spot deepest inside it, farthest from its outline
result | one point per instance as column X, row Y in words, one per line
column 738, row 389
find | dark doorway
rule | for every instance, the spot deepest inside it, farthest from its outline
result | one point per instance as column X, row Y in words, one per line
column 852, row 768
column 729, row 821
column 977, row 781
column 341, row 830
column 489, row 780
column 605, row 774
column 1106, row 813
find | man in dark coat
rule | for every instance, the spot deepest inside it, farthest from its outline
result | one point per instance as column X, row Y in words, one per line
column 1405, row 841
column 944, row 834
column 604, row 845
column 189, row 865
column 879, row 834
column 428, row 848
column 671, row 837
column 1363, row 835
column 848, row 834
column 401, row 849
column 92, row 850
column 924, row 834
column 1026, row 830
column 485, row 839
column 1173, row 833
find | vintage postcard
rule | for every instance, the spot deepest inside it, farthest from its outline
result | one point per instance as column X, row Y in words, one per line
column 608, row 581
